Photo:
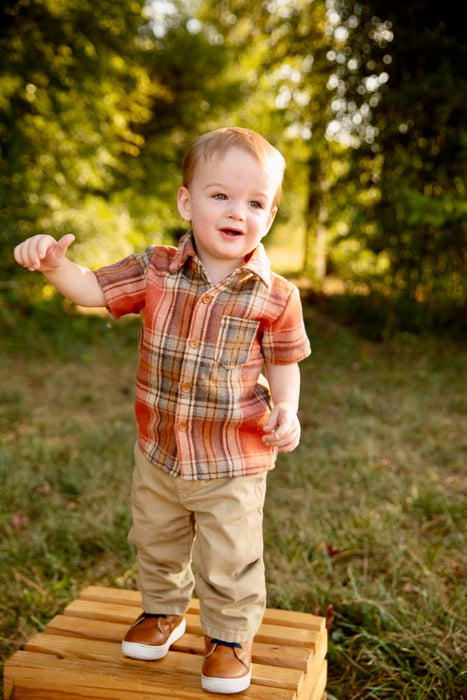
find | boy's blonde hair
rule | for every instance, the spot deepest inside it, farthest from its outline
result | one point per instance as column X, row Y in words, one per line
column 219, row 141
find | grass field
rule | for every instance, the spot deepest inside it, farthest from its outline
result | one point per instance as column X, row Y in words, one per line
column 365, row 522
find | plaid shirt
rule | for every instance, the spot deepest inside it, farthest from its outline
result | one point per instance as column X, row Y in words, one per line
column 201, row 401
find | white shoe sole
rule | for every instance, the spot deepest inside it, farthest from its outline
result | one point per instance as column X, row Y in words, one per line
column 146, row 652
column 227, row 686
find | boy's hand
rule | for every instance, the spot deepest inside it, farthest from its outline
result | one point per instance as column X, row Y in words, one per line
column 283, row 428
column 42, row 252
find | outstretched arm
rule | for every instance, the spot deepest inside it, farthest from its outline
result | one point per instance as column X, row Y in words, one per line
column 45, row 254
column 283, row 427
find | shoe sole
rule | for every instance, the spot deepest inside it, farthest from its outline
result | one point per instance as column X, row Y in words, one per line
column 227, row 686
column 148, row 652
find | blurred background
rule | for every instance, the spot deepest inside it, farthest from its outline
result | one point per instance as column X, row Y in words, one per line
column 99, row 100
column 366, row 520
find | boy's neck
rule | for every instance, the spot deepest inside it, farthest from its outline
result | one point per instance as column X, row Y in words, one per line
column 219, row 271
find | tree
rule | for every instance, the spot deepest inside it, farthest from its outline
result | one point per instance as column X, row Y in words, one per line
column 73, row 86
column 413, row 77
column 191, row 70
column 369, row 103
column 279, row 50
column 98, row 106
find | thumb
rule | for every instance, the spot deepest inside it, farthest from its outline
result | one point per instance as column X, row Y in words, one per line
column 272, row 422
column 64, row 243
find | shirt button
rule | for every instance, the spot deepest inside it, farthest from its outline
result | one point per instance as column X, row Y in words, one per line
column 186, row 388
column 207, row 300
column 194, row 343
column 182, row 427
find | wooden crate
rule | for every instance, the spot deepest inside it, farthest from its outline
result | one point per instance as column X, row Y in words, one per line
column 79, row 657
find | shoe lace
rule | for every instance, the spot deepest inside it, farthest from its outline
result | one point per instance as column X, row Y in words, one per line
column 233, row 645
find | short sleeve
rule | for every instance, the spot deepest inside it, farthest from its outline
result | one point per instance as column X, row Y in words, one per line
column 124, row 283
column 285, row 340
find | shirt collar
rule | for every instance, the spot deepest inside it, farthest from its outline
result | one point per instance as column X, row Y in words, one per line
column 258, row 263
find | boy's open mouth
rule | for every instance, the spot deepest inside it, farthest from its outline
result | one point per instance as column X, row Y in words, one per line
column 231, row 232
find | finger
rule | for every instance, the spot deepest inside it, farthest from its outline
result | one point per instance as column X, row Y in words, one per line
column 289, row 447
column 64, row 243
column 284, row 433
column 276, row 436
column 279, row 439
column 18, row 254
column 29, row 253
column 272, row 422
column 289, row 442
column 37, row 248
column 45, row 245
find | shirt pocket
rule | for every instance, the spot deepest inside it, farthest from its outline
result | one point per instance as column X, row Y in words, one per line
column 235, row 341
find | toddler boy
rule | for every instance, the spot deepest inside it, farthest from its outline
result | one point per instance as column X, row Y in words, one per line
column 209, row 424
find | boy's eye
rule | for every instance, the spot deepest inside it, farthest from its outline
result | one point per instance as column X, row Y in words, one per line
column 219, row 195
column 256, row 205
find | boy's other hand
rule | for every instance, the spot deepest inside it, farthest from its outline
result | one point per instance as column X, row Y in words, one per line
column 43, row 252
column 283, row 428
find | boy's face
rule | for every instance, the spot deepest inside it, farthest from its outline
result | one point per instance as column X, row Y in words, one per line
column 230, row 204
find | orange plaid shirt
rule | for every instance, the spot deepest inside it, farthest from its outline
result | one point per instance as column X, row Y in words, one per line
column 201, row 401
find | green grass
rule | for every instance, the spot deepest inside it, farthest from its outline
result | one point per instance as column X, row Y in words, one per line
column 365, row 522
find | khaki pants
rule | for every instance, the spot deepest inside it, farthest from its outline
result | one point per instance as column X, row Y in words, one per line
column 215, row 524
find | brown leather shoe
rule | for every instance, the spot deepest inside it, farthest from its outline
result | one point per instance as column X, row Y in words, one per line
column 150, row 637
column 227, row 666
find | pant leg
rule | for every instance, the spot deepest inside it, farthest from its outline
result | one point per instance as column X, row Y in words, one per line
column 163, row 532
column 228, row 557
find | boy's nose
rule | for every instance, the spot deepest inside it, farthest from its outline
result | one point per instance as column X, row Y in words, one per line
column 236, row 212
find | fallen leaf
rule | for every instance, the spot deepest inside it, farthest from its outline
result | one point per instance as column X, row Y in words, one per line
column 19, row 521
column 330, row 549
column 330, row 617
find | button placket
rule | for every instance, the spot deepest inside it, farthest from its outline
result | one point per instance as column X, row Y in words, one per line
column 201, row 313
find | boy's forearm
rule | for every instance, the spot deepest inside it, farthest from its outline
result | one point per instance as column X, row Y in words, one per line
column 76, row 283
column 284, row 383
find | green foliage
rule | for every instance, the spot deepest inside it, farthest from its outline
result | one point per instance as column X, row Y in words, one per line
column 73, row 88
column 378, row 316
column 414, row 212
column 96, row 112
column 98, row 103
column 189, row 104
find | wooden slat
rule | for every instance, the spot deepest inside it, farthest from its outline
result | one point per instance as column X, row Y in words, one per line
column 79, row 656
column 87, row 628
column 291, row 636
column 290, row 618
column 119, row 596
column 315, row 688
column 111, row 612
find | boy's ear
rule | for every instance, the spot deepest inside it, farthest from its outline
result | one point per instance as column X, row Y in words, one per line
column 272, row 215
column 184, row 203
